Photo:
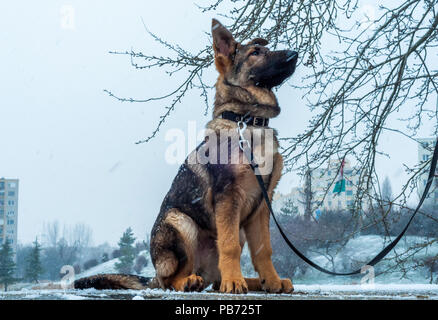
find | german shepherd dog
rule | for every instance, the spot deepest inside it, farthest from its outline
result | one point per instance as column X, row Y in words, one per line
column 211, row 210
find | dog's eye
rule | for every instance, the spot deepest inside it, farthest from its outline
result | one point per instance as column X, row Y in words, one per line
column 255, row 53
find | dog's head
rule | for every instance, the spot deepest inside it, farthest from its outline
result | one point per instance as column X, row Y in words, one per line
column 250, row 64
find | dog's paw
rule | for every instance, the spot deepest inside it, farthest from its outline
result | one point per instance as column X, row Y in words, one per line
column 287, row 286
column 234, row 286
column 277, row 285
column 190, row 283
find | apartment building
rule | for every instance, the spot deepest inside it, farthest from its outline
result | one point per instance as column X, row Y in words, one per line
column 8, row 211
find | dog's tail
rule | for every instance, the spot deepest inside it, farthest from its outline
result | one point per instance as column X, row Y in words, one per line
column 116, row 281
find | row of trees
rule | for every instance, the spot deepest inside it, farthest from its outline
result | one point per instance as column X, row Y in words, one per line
column 33, row 267
column 44, row 260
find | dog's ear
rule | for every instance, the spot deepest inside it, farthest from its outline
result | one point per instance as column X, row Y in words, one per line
column 259, row 41
column 224, row 46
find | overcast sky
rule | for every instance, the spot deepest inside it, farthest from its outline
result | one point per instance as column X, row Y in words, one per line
column 72, row 146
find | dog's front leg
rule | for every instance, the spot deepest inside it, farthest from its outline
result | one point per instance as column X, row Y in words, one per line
column 259, row 240
column 259, row 243
column 228, row 244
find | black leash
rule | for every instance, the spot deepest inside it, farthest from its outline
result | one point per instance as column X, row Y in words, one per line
column 381, row 254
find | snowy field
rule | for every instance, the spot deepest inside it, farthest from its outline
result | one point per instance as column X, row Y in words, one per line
column 302, row 292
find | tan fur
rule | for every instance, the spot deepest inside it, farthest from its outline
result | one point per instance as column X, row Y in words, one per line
column 166, row 265
column 258, row 101
column 188, row 283
column 187, row 228
column 188, row 231
column 228, row 243
column 258, row 236
column 253, row 284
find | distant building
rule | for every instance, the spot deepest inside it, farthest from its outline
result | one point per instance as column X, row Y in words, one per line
column 322, row 186
column 323, row 183
column 425, row 153
column 8, row 211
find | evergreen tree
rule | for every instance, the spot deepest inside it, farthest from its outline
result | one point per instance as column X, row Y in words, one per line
column 386, row 190
column 34, row 268
column 308, row 196
column 289, row 208
column 127, row 252
column 7, row 265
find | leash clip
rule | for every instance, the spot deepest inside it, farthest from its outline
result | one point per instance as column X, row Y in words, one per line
column 241, row 127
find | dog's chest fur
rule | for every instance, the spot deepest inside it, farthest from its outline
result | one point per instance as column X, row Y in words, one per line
column 198, row 188
column 243, row 185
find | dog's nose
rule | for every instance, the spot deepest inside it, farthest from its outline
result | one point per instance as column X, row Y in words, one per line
column 291, row 55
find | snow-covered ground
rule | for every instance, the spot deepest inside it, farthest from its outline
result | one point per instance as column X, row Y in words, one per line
column 302, row 292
